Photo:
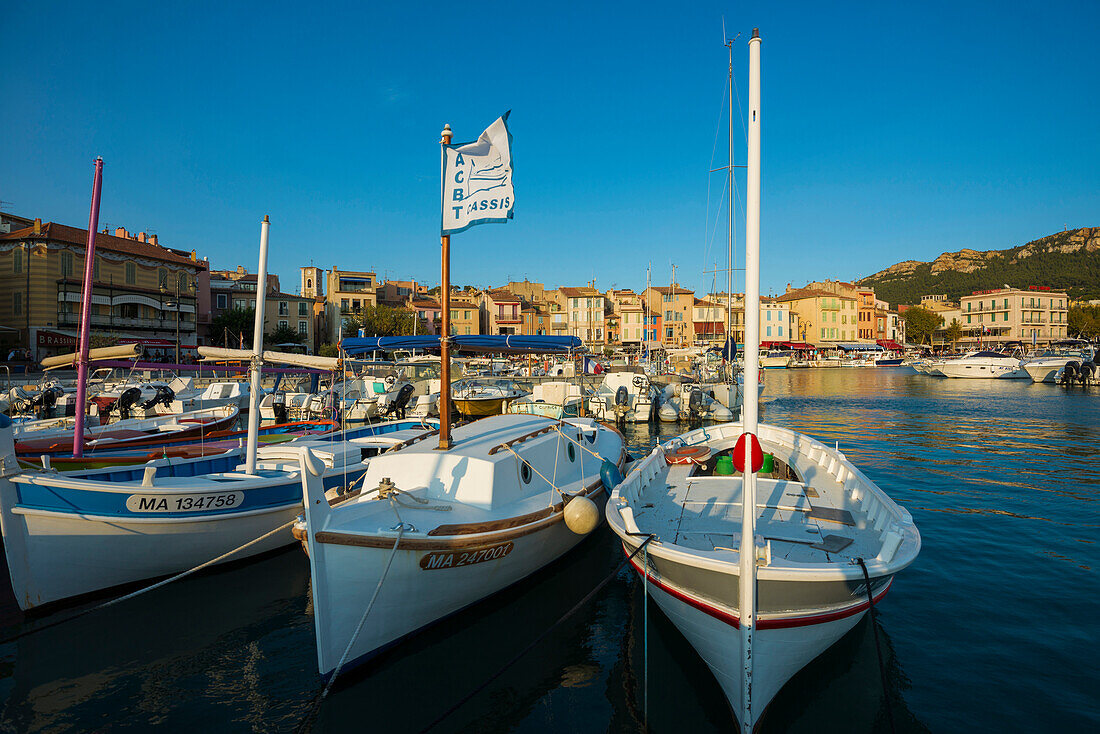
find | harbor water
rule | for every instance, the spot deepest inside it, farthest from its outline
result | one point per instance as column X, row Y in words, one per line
column 994, row 628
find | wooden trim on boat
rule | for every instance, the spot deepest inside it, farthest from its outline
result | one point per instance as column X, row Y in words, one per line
column 411, row 441
column 763, row 623
column 521, row 439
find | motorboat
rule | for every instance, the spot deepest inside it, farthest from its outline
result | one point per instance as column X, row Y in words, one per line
column 816, row 514
column 690, row 401
column 475, row 397
column 627, row 397
column 984, row 365
column 775, row 359
column 555, row 399
column 431, row 532
column 65, row 536
column 1044, row 367
column 232, row 392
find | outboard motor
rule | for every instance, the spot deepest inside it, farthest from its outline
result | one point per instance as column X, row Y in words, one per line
column 278, row 405
column 46, row 400
column 126, row 401
column 695, row 402
column 1069, row 372
column 397, row 405
column 1085, row 372
column 622, row 403
column 164, row 396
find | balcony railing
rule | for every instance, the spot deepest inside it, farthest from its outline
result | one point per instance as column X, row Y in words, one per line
column 124, row 322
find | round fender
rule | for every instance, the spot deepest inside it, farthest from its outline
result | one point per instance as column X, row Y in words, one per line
column 610, row 475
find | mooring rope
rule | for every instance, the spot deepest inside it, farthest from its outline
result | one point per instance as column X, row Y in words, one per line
column 878, row 649
column 607, row 579
column 315, row 706
column 139, row 592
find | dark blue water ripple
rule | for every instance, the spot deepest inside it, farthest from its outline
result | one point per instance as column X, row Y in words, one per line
column 994, row 628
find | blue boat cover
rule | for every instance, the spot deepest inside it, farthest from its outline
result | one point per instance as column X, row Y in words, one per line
column 465, row 343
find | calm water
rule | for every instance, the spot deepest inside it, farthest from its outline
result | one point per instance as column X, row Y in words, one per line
column 994, row 628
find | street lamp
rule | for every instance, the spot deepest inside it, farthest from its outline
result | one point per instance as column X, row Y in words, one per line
column 176, row 304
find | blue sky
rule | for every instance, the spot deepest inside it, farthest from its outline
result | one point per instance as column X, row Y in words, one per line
column 890, row 131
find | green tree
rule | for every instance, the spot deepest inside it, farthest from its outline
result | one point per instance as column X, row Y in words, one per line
column 381, row 321
column 920, row 324
column 233, row 327
column 954, row 332
column 1083, row 322
column 329, row 350
column 283, row 335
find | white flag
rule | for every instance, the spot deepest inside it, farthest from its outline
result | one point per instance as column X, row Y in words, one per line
column 477, row 180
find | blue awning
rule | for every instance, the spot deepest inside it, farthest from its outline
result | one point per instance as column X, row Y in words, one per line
column 858, row 347
column 465, row 343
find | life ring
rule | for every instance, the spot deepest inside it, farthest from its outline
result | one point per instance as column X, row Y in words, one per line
column 687, row 455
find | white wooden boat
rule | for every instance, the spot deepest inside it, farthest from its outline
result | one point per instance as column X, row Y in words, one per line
column 816, row 513
column 436, row 531
column 553, row 399
column 628, row 397
column 475, row 397
column 67, row 536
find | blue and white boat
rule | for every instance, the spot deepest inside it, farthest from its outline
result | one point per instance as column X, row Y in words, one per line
column 66, row 536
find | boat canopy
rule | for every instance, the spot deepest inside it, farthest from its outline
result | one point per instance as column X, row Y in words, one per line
column 465, row 343
column 858, row 347
column 890, row 344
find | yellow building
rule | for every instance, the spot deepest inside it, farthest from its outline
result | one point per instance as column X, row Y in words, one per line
column 142, row 292
column 822, row 317
column 674, row 304
column 349, row 292
column 465, row 315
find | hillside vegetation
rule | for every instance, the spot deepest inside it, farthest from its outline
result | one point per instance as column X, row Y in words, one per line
column 1068, row 261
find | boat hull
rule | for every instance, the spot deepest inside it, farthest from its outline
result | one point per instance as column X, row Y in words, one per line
column 479, row 408
column 342, row 592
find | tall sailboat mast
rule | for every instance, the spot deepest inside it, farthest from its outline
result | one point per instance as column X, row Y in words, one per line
column 729, row 239
column 747, row 568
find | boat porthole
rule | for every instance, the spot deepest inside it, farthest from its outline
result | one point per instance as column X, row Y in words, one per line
column 525, row 472
column 571, row 451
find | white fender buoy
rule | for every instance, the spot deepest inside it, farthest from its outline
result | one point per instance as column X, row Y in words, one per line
column 581, row 515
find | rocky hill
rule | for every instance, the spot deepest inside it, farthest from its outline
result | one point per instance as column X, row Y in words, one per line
column 1066, row 260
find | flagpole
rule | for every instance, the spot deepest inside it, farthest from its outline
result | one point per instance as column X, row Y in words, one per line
column 445, row 336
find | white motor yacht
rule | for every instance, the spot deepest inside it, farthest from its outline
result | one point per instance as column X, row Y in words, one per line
column 1045, row 366
column 627, row 397
column 984, row 365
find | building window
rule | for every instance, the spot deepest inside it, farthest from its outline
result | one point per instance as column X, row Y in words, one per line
column 343, row 304
column 181, row 282
column 66, row 264
column 309, row 282
column 303, row 327
column 466, row 315
column 780, row 330
column 284, row 309
column 302, row 308
column 769, row 331
column 17, row 260
column 283, row 324
column 131, row 273
column 668, row 333
column 17, row 303
column 823, row 333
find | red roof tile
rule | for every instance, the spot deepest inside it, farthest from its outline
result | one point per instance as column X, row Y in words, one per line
column 75, row 236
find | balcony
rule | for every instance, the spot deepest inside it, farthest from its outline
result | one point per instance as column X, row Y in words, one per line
column 121, row 322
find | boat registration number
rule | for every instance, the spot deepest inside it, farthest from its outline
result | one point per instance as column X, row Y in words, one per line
column 183, row 502
column 454, row 559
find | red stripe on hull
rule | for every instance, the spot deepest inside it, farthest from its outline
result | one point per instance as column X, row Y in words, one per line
column 763, row 624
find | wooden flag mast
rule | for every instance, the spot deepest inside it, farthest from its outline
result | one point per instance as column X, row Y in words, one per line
column 445, row 327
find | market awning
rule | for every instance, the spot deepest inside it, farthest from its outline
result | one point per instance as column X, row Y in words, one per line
column 890, row 344
column 708, row 327
column 858, row 347
column 465, row 343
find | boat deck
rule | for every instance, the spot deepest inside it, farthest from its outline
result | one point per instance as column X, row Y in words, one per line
column 805, row 525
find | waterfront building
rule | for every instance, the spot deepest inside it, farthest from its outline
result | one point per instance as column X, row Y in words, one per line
column 396, row 293
column 824, row 317
column 500, row 312
column 1035, row 315
column 868, row 327
column 428, row 312
column 708, row 320
column 527, row 291
column 465, row 314
column 135, row 282
column 627, row 307
column 536, row 319
column 584, row 308
column 241, row 275
column 313, row 286
column 674, row 304
column 349, row 292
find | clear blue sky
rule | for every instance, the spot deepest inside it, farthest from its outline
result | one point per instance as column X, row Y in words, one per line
column 890, row 131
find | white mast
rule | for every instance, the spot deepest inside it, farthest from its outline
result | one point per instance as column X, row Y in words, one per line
column 730, row 376
column 257, row 352
column 747, row 601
